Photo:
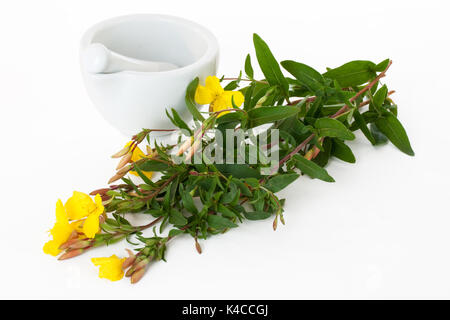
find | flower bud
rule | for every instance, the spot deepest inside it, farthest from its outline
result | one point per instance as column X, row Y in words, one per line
column 198, row 247
column 194, row 149
column 129, row 261
column 122, row 152
column 137, row 275
column 71, row 254
column 115, row 177
column 125, row 169
column 80, row 244
column 125, row 159
column 141, row 264
column 185, row 146
column 99, row 191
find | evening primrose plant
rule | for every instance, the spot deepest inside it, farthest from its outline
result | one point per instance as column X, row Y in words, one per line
column 306, row 119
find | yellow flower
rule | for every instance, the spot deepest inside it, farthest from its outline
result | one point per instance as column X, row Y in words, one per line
column 110, row 268
column 60, row 232
column 91, row 225
column 138, row 155
column 79, row 205
column 217, row 98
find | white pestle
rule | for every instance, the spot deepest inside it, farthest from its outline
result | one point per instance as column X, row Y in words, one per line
column 99, row 59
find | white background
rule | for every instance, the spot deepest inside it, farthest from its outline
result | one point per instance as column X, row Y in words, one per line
column 380, row 231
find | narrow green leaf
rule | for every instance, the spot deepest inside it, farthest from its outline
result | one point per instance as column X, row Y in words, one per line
column 153, row 165
column 363, row 126
column 238, row 170
column 262, row 115
column 306, row 75
column 175, row 232
column 269, row 65
column 328, row 127
column 353, row 73
column 379, row 137
column 311, row 169
column 143, row 176
column 248, row 67
column 187, row 200
column 382, row 65
column 341, row 151
column 225, row 211
column 281, row 181
column 324, row 156
column 244, row 189
column 379, row 97
column 257, row 215
column 190, row 101
column 180, row 121
column 220, row 223
column 176, row 217
column 391, row 127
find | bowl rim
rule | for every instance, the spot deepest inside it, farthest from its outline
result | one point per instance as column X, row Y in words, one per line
column 211, row 52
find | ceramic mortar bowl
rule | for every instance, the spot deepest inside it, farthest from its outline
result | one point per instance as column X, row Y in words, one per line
column 132, row 100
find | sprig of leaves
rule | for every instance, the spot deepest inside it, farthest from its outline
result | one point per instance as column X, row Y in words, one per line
column 316, row 114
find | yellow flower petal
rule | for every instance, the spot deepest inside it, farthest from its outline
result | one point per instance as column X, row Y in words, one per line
column 99, row 208
column 78, row 225
column 212, row 83
column 208, row 93
column 52, row 248
column 238, row 98
column 79, row 205
column 61, row 215
column 60, row 232
column 110, row 268
column 91, row 225
column 137, row 155
column 203, row 95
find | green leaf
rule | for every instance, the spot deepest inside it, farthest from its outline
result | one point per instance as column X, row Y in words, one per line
column 248, row 96
column 190, row 101
column 238, row 170
column 248, row 67
column 379, row 137
column 153, row 165
column 311, row 169
column 328, row 127
column 262, row 115
column 379, row 97
column 382, row 65
column 176, row 218
column 391, row 127
column 279, row 182
column 363, row 126
column 269, row 65
column 175, row 232
column 322, row 158
column 220, row 223
column 143, row 176
column 353, row 73
column 225, row 211
column 244, row 189
column 231, row 195
column 231, row 117
column 179, row 121
column 341, row 151
column 257, row 215
column 187, row 200
column 306, row 75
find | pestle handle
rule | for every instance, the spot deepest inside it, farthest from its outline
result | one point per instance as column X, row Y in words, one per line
column 97, row 58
